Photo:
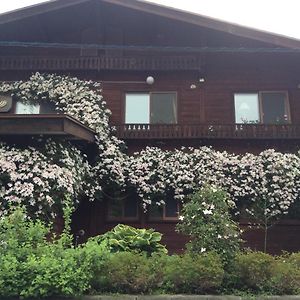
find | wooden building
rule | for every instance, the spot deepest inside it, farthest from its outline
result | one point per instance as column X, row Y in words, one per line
column 170, row 78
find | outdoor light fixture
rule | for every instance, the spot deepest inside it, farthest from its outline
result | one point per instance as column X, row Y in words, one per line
column 201, row 79
column 150, row 80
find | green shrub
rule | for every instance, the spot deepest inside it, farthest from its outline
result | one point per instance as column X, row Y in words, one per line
column 128, row 272
column 253, row 271
column 293, row 258
column 285, row 275
column 127, row 238
column 32, row 267
column 207, row 220
column 285, row 278
column 193, row 274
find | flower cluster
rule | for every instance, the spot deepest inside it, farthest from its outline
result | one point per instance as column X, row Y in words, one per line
column 271, row 176
column 83, row 101
column 41, row 180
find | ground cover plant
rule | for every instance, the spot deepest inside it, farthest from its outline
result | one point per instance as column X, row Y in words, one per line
column 124, row 238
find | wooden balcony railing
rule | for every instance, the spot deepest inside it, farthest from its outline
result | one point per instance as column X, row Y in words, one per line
column 208, row 131
column 100, row 63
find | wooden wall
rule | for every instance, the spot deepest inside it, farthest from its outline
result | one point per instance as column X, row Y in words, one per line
column 90, row 216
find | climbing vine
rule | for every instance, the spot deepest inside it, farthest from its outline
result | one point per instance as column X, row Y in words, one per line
column 41, row 177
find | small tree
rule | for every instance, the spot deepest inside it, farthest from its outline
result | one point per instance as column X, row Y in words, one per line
column 207, row 220
column 274, row 188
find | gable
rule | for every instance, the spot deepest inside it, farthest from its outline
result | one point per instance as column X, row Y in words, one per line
column 128, row 22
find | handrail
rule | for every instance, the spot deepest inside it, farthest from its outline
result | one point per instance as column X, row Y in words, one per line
column 208, row 131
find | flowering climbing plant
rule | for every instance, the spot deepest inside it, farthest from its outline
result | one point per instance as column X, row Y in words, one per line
column 83, row 101
column 249, row 179
column 41, row 180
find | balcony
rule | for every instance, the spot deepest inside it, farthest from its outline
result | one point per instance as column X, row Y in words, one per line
column 46, row 125
column 207, row 131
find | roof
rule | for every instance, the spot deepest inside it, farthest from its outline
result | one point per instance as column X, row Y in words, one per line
column 164, row 11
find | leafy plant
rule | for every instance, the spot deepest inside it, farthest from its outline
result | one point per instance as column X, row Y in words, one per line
column 33, row 267
column 207, row 220
column 285, row 277
column 193, row 274
column 253, row 271
column 128, row 272
column 127, row 238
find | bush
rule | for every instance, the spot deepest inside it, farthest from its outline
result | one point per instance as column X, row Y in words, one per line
column 127, row 238
column 193, row 274
column 253, row 271
column 206, row 219
column 32, row 267
column 127, row 272
column 285, row 275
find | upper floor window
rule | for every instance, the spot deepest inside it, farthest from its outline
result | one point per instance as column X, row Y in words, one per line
column 262, row 107
column 28, row 108
column 151, row 108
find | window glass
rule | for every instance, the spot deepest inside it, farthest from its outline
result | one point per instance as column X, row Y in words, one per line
column 151, row 108
column 246, row 108
column 122, row 209
column 137, row 110
column 164, row 212
column 171, row 208
column 115, row 209
column 273, row 107
column 163, row 108
column 48, row 107
column 156, row 212
column 130, row 207
column 26, row 108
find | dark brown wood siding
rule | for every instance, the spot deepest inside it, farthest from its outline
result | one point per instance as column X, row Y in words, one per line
column 282, row 237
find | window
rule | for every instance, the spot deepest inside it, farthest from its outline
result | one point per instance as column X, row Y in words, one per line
column 169, row 211
column 122, row 209
column 261, row 107
column 28, row 108
column 151, row 108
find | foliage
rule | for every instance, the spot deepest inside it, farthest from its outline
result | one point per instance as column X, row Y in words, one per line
column 127, row 238
column 285, row 279
column 128, row 272
column 33, row 267
column 253, row 270
column 258, row 272
column 276, row 188
column 207, row 220
column 193, row 274
column 248, row 178
column 41, row 182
